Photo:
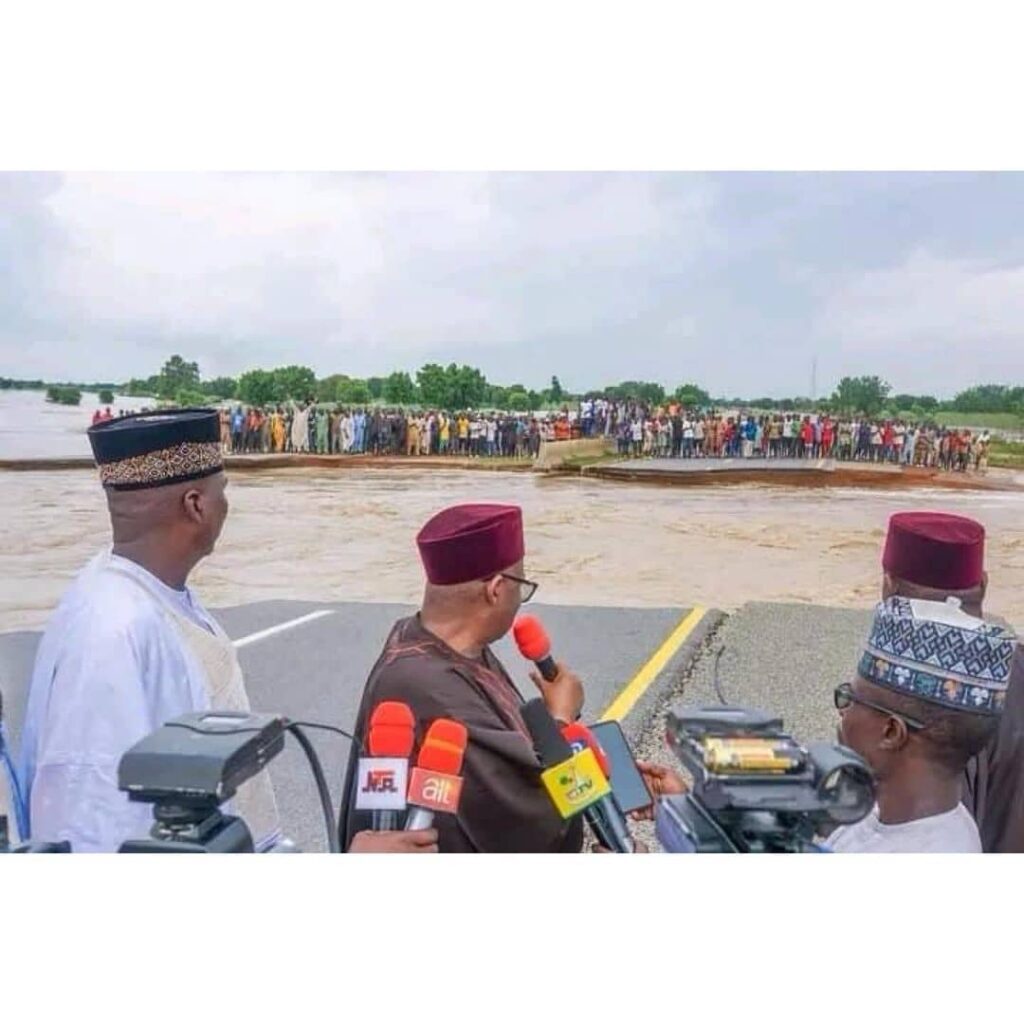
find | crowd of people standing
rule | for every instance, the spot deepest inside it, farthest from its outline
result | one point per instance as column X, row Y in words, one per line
column 329, row 430
column 673, row 431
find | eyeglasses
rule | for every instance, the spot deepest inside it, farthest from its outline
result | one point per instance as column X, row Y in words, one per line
column 844, row 697
column 527, row 588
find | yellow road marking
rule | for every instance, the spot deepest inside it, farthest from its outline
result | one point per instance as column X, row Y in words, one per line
column 637, row 686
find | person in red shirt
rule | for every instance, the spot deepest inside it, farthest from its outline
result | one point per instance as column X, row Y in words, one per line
column 887, row 435
column 827, row 437
column 806, row 437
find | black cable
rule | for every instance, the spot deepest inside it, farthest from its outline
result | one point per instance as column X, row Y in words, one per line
column 339, row 830
column 718, row 684
column 211, row 732
column 333, row 845
column 326, row 728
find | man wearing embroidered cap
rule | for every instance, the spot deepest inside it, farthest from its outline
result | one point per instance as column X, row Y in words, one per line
column 935, row 555
column 130, row 646
column 930, row 687
column 439, row 662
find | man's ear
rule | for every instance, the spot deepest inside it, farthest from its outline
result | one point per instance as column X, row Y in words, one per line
column 192, row 504
column 984, row 587
column 895, row 734
column 888, row 586
column 492, row 588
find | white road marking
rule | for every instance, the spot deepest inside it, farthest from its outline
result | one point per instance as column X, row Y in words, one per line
column 274, row 630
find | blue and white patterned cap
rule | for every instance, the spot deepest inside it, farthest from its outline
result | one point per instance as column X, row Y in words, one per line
column 935, row 651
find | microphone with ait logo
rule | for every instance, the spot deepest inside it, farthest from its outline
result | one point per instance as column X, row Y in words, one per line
column 383, row 776
column 604, row 816
column 435, row 784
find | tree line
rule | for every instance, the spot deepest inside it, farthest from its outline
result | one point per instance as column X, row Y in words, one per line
column 466, row 387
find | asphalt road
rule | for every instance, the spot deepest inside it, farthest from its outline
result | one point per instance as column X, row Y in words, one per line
column 315, row 671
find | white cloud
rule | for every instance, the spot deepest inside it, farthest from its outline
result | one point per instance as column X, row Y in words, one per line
column 327, row 269
column 930, row 324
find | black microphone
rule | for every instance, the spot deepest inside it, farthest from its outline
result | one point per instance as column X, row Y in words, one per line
column 605, row 818
column 582, row 786
column 549, row 744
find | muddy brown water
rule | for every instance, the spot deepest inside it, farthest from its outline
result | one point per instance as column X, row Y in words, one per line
column 315, row 535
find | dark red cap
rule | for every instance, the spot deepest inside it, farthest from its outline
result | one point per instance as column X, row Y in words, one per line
column 471, row 542
column 935, row 549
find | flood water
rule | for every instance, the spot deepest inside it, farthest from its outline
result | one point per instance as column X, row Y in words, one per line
column 315, row 535
column 32, row 428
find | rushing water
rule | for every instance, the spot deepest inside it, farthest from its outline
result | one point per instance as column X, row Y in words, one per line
column 32, row 428
column 315, row 535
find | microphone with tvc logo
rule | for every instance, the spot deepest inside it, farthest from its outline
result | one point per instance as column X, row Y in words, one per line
column 383, row 775
column 604, row 816
column 573, row 780
column 435, row 784
column 535, row 645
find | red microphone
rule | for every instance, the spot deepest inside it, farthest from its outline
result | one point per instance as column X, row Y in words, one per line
column 535, row 645
column 604, row 817
column 383, row 776
column 436, row 783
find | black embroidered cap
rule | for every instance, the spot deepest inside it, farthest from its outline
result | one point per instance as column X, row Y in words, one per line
column 153, row 449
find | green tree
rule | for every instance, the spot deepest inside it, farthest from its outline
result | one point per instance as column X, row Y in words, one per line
column 63, row 395
column 904, row 401
column 468, row 387
column 517, row 399
column 327, row 387
column 187, row 397
column 148, row 387
column 220, row 387
column 496, row 397
column 556, row 392
column 106, row 397
column 175, row 375
column 435, row 386
column 258, row 387
column 376, row 386
column 861, row 394
column 352, row 392
column 692, row 395
column 297, row 383
column 399, row 389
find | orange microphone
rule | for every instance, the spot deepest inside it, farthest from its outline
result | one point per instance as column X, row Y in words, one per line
column 383, row 776
column 535, row 645
column 436, row 782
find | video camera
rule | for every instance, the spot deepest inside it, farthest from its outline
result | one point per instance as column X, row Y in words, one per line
column 755, row 788
column 188, row 768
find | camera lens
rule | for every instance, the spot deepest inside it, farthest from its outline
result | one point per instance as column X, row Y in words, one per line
column 846, row 786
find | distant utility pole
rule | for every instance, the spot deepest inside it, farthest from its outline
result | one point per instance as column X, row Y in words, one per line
column 814, row 378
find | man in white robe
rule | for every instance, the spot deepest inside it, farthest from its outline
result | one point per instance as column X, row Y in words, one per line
column 130, row 646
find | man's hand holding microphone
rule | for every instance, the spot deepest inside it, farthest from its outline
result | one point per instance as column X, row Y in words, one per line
column 560, row 688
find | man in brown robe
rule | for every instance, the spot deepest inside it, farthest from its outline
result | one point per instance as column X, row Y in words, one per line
column 439, row 663
column 934, row 556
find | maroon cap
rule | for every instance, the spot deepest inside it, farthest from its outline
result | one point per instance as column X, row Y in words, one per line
column 471, row 542
column 935, row 549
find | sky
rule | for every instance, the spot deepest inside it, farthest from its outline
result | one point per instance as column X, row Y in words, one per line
column 737, row 282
